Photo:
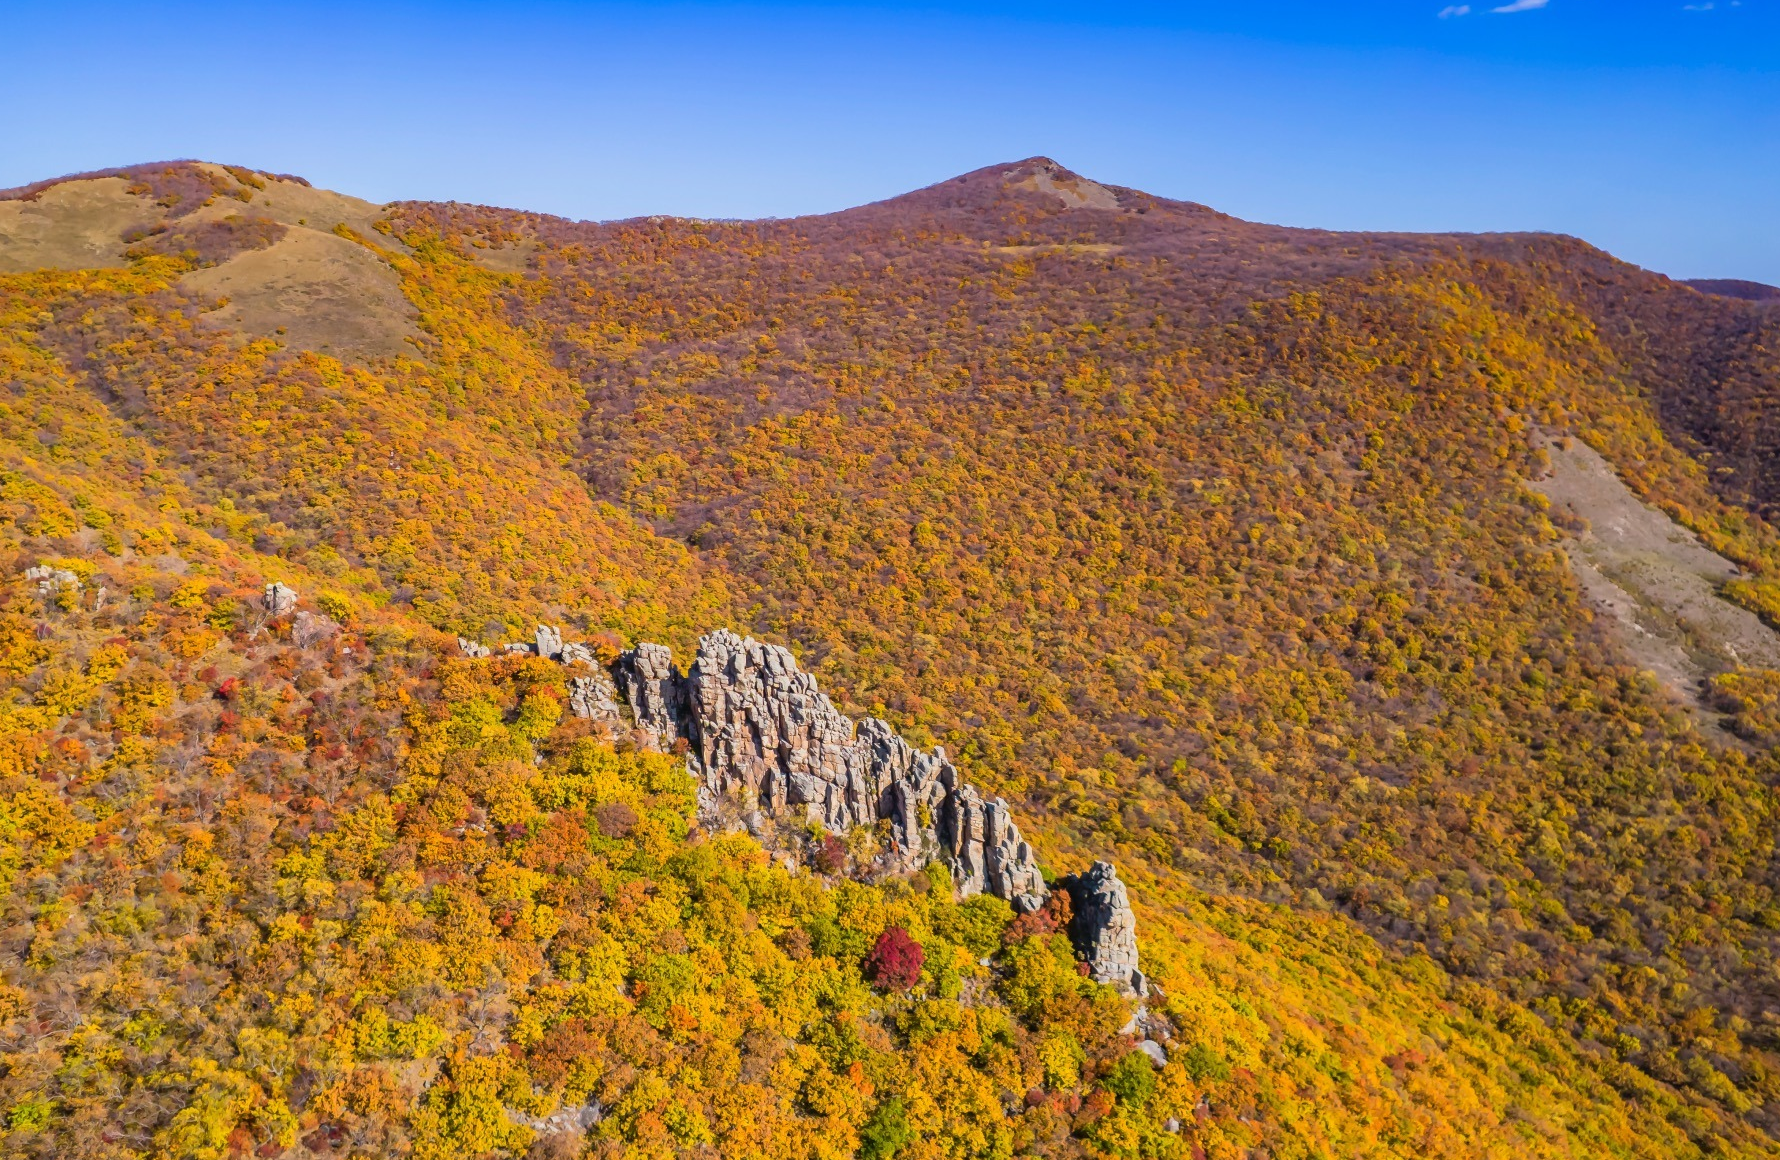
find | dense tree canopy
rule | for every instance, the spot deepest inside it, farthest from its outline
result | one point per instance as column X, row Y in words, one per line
column 1207, row 544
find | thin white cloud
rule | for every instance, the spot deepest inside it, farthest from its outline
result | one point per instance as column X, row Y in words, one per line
column 1452, row 10
column 1522, row 6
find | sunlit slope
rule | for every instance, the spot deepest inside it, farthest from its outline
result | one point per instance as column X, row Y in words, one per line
column 1213, row 542
column 1207, row 543
column 284, row 892
column 440, row 480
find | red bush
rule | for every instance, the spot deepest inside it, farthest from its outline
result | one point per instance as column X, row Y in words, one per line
column 895, row 961
column 831, row 855
column 1055, row 915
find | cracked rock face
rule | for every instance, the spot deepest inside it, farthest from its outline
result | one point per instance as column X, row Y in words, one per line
column 1105, row 929
column 594, row 698
column 655, row 692
column 279, row 598
column 762, row 732
column 761, row 736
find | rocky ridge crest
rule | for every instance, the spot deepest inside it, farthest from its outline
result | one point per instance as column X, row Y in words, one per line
column 763, row 740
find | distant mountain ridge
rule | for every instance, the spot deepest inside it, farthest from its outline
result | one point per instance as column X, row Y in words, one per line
column 1735, row 288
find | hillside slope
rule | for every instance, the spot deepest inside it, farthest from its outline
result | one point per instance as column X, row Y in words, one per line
column 1210, row 545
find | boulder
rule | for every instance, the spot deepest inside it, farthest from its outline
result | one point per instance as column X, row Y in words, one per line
column 1105, row 929
column 470, row 648
column 549, row 642
column 310, row 627
column 279, row 598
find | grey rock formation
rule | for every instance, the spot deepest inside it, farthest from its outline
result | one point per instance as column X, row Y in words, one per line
column 760, row 730
column 1105, row 929
column 765, row 742
column 763, row 733
column 310, row 628
column 517, row 647
column 655, row 691
column 593, row 697
column 52, row 580
column 279, row 598
column 470, row 648
column 572, row 1120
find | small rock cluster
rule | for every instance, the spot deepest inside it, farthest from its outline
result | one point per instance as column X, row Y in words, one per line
column 568, row 1120
column 761, row 736
column 52, row 580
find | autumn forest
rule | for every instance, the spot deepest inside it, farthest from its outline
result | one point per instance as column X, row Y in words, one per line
column 1225, row 552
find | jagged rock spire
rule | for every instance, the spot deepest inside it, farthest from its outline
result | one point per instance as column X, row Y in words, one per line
column 1104, row 927
column 760, row 729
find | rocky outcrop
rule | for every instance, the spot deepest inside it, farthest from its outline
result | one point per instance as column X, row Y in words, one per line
column 593, row 697
column 279, row 598
column 761, row 737
column 762, row 732
column 764, row 735
column 1104, row 929
column 655, row 691
column 52, row 580
column 311, row 627
column 470, row 648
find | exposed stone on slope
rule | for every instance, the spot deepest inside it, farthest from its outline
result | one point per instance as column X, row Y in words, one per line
column 1105, row 929
column 762, row 731
column 593, row 697
column 279, row 598
column 52, row 580
column 764, row 738
column 470, row 648
column 311, row 627
column 646, row 675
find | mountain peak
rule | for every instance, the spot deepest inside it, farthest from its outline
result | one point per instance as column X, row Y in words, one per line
column 1038, row 185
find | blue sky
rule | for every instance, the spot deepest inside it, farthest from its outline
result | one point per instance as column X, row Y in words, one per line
column 1650, row 127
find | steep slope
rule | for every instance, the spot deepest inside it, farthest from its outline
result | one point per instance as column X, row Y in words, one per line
column 1210, row 545
column 1214, row 539
column 278, row 885
column 442, row 482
